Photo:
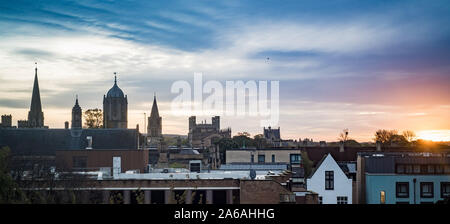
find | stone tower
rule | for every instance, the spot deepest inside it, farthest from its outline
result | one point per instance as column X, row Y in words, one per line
column 35, row 115
column 115, row 108
column 154, row 128
column 76, row 115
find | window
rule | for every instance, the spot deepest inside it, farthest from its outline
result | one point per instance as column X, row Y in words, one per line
column 261, row 158
column 439, row 169
column 320, row 200
column 295, row 159
column 447, row 169
column 382, row 197
column 252, row 159
column 416, row 169
column 342, row 200
column 430, row 169
column 445, row 189
column 426, row 190
column 400, row 168
column 408, row 169
column 79, row 161
column 273, row 158
column 402, row 189
column 329, row 180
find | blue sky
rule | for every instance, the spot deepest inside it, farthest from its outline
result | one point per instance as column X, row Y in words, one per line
column 361, row 65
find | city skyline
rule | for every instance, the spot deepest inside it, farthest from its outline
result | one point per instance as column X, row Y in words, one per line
column 346, row 69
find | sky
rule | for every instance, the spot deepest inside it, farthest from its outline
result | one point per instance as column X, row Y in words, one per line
column 360, row 65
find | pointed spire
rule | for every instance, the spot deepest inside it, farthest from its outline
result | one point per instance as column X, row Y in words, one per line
column 76, row 99
column 115, row 78
column 35, row 115
column 155, row 112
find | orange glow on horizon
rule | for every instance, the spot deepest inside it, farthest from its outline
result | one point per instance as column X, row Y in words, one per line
column 434, row 135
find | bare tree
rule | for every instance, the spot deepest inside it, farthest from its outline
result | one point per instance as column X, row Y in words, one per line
column 343, row 136
column 409, row 135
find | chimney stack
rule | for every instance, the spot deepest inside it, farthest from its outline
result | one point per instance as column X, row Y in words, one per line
column 378, row 146
column 89, row 141
column 341, row 146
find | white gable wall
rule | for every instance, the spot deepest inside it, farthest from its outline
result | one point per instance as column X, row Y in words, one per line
column 342, row 184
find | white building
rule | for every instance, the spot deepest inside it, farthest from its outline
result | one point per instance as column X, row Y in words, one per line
column 330, row 182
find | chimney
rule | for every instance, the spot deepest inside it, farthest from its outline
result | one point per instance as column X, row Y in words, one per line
column 66, row 125
column 89, row 140
column 341, row 146
column 378, row 146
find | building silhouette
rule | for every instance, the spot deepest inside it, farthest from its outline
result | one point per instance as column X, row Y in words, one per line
column 154, row 129
column 76, row 115
column 35, row 115
column 115, row 108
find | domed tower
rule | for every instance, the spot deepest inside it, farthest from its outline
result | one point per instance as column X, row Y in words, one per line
column 115, row 108
column 76, row 115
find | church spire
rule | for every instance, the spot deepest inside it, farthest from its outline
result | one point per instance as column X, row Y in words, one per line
column 155, row 112
column 35, row 115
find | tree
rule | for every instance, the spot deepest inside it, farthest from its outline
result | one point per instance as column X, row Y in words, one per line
column 409, row 135
column 224, row 145
column 260, row 141
column 243, row 134
column 384, row 136
column 93, row 118
column 244, row 140
column 390, row 137
column 9, row 190
column 343, row 136
column 307, row 163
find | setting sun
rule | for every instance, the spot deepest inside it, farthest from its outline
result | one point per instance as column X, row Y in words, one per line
column 434, row 135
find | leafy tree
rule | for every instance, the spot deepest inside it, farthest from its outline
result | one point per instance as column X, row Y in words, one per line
column 9, row 190
column 224, row 145
column 243, row 139
column 260, row 141
column 93, row 118
column 307, row 163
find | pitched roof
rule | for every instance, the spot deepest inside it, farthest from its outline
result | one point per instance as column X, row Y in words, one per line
column 38, row 141
column 320, row 163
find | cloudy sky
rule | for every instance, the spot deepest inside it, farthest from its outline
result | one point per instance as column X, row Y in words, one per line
column 361, row 65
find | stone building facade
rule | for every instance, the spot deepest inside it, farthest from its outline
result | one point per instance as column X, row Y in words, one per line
column 203, row 134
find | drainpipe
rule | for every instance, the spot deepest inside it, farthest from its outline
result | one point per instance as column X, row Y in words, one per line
column 414, row 183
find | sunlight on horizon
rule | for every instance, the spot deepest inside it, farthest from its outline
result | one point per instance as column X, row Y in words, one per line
column 434, row 135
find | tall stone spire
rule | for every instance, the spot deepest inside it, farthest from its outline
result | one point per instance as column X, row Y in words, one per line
column 154, row 128
column 155, row 112
column 35, row 115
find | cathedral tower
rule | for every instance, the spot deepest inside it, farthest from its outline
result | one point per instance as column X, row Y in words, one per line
column 76, row 115
column 115, row 108
column 154, row 128
column 35, row 115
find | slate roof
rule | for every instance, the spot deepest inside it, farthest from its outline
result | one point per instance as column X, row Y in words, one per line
column 115, row 91
column 320, row 163
column 40, row 141
column 385, row 163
